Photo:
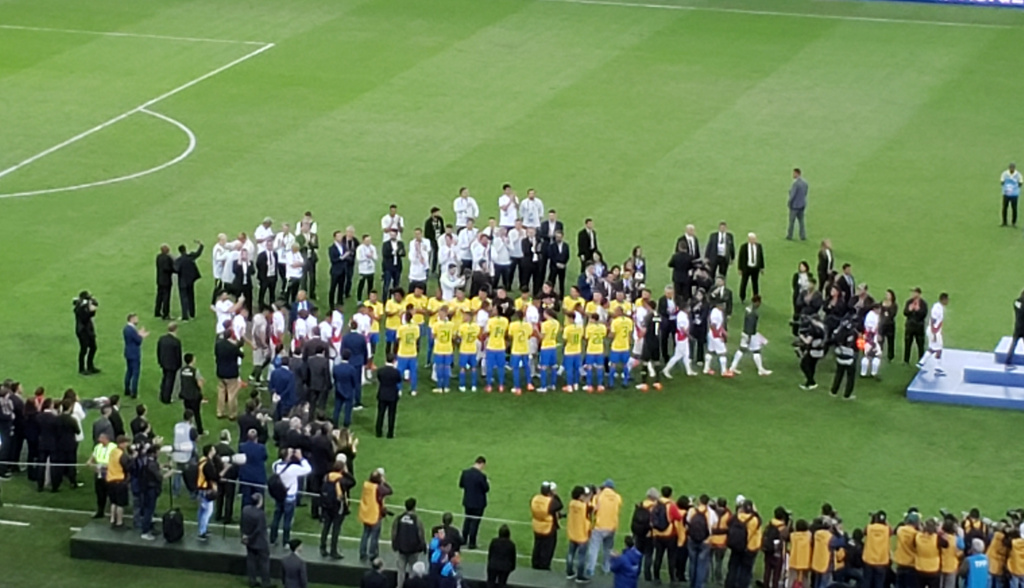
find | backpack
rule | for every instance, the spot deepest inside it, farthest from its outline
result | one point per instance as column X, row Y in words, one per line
column 641, row 524
column 275, row 485
column 329, row 501
column 659, row 517
column 771, row 541
column 697, row 529
column 173, row 526
column 191, row 477
column 736, row 535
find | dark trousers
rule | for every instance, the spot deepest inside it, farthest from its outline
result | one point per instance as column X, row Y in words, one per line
column 1010, row 202
column 224, row 507
column 331, row 526
column 684, row 290
column 246, row 290
column 526, row 273
column 342, row 404
column 809, row 365
column 740, row 570
column 218, row 288
column 309, row 277
column 720, row 267
column 668, row 330
column 86, row 352
column 365, row 281
column 32, row 457
column 471, row 525
column 910, row 337
column 927, row 580
column 389, row 407
column 292, row 291
column 875, row 576
column 1017, row 336
column 58, row 473
column 336, row 293
column 543, row 550
column 391, row 278
column 282, row 278
column 187, row 298
column 313, row 484
column 752, row 276
column 45, row 455
column 162, row 308
column 645, row 545
column 196, row 407
column 133, row 370
column 503, row 276
column 906, row 577
column 167, row 385
column 663, row 546
column 772, row 571
column 496, row 579
column 101, row 495
column 889, row 341
column 267, row 289
column 350, row 272
column 257, row 565
column 850, row 373
column 557, row 277
column 698, row 346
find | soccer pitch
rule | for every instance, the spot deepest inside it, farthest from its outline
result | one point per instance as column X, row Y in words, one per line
column 645, row 117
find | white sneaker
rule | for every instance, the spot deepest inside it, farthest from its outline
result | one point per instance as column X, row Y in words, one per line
column 462, row 388
column 413, row 393
column 147, row 537
column 474, row 389
column 666, row 374
column 920, row 365
column 764, row 373
column 736, row 371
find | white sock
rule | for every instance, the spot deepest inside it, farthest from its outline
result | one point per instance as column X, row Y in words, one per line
column 721, row 362
column 671, row 364
column 650, row 369
column 736, row 359
column 864, row 362
column 875, row 364
column 758, row 362
column 707, row 362
column 689, row 369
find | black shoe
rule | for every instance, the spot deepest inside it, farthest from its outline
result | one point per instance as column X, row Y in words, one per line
column 94, row 370
column 471, row 546
column 84, row 373
column 98, row 515
column 337, row 556
column 323, row 552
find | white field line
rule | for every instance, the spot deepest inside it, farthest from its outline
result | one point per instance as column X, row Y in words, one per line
column 188, row 151
column 139, row 108
column 14, row 523
column 130, row 35
column 939, row 23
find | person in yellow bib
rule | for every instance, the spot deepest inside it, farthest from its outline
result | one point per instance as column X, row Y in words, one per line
column 408, row 339
column 928, row 546
column 371, row 514
column 520, row 332
column 572, row 354
column 573, row 303
column 905, row 555
column 596, row 333
column 621, row 330
column 393, row 311
column 545, row 510
column 578, row 530
column 443, row 332
column 497, row 332
column 469, row 338
column 548, row 363
column 876, row 552
column 799, row 554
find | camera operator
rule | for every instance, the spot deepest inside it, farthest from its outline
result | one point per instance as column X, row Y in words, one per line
column 85, row 308
column 810, row 348
column 845, row 340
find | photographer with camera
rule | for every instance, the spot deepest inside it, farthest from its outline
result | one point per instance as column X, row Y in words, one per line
column 845, row 340
column 283, row 487
column 85, row 309
column 371, row 514
column 810, row 346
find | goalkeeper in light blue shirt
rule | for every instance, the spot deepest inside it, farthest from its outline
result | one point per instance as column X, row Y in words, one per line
column 1010, row 182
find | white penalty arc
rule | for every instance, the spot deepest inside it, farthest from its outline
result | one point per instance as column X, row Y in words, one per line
column 181, row 156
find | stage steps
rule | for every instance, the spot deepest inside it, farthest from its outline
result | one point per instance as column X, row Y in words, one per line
column 974, row 378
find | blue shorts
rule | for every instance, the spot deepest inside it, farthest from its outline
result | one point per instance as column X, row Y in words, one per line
column 495, row 359
column 406, row 363
column 467, row 360
column 549, row 357
column 520, row 361
column 443, row 359
column 595, row 359
column 374, row 338
column 619, row 357
column 391, row 335
column 571, row 362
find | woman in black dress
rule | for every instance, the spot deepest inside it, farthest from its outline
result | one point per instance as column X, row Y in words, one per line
column 887, row 323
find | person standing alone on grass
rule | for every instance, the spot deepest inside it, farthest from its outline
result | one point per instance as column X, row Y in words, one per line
column 133, row 336
column 475, row 487
column 168, row 355
column 797, row 204
column 916, row 312
column 164, row 281
column 1010, row 182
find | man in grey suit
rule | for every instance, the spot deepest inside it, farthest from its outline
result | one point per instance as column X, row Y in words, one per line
column 797, row 204
column 253, row 528
column 293, row 568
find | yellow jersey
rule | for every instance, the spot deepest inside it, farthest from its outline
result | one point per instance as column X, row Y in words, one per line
column 569, row 305
column 434, row 305
column 393, row 310
column 475, row 303
column 520, row 332
column 497, row 329
column 419, row 303
column 595, row 333
column 378, row 312
column 520, row 303
column 622, row 327
column 444, row 332
column 573, row 337
column 408, row 335
column 469, row 333
column 457, row 307
column 592, row 308
column 549, row 334
column 625, row 305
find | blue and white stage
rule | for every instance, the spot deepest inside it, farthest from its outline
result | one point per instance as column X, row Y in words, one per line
column 974, row 378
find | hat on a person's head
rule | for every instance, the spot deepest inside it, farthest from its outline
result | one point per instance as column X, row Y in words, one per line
column 608, row 484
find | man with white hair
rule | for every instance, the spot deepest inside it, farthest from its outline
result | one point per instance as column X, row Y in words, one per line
column 751, row 265
column 221, row 253
column 264, row 231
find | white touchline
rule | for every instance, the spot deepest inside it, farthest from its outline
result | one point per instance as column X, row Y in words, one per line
column 939, row 23
column 14, row 523
column 140, row 108
column 126, row 34
column 188, row 151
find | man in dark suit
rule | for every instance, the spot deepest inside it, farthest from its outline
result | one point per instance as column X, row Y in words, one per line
column 533, row 261
column 168, row 355
column 846, row 283
column 133, row 336
column 682, row 270
column 244, row 271
column 720, row 251
column 549, row 227
column 392, row 253
column 433, row 231
column 667, row 310
column 475, row 487
column 389, row 382
column 692, row 243
column 339, row 257
column 318, row 379
column 164, row 281
column 351, row 244
column 558, row 260
column 586, row 243
column 188, row 274
column 253, row 528
column 751, row 265
column 266, row 272
column 826, row 261
column 293, row 568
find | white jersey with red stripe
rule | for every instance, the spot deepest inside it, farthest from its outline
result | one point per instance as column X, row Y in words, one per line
column 363, row 323
column 682, row 327
column 238, row 327
column 639, row 316
column 872, row 342
column 277, row 328
column 716, row 324
column 300, row 332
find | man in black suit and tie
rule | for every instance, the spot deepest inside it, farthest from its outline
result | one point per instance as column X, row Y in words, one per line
column 350, row 244
column 253, row 529
column 389, row 380
column 533, row 261
column 667, row 310
column 339, row 257
column 168, row 355
column 475, row 487
column 293, row 568
column 433, row 231
column 266, row 272
column 244, row 272
column 392, row 253
column 682, row 268
column 826, row 262
column 751, row 265
column 846, row 283
column 188, row 274
column 692, row 243
column 720, row 251
column 586, row 243
column 164, row 281
column 549, row 227
column 558, row 259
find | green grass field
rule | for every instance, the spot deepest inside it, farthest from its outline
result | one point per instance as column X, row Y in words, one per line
column 645, row 118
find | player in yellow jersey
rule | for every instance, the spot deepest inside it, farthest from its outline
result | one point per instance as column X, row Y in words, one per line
column 572, row 354
column 549, row 329
column 443, row 331
column 597, row 306
column 376, row 312
column 408, row 338
column 393, row 310
column 458, row 307
column 418, row 301
column 572, row 303
column 595, row 335
column 520, row 332
column 621, row 329
column 434, row 304
column 497, row 331
column 469, row 338
column 620, row 303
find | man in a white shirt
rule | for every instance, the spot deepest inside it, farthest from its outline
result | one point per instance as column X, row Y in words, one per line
column 480, row 251
column 294, row 270
column 935, row 344
column 467, row 237
column 531, row 210
column 366, row 260
column 224, row 310
column 1010, row 182
column 283, row 242
column 291, row 469
column 392, row 221
column 502, row 259
column 221, row 253
column 451, row 280
column 515, row 247
column 419, row 260
column 263, row 231
column 447, row 252
column 508, row 207
column 307, row 222
column 716, row 342
column 465, row 208
column 872, row 343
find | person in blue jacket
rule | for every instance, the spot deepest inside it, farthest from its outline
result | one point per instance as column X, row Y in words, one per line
column 355, row 343
column 133, row 336
column 974, row 568
column 626, row 566
column 282, row 383
column 346, row 382
column 254, row 471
